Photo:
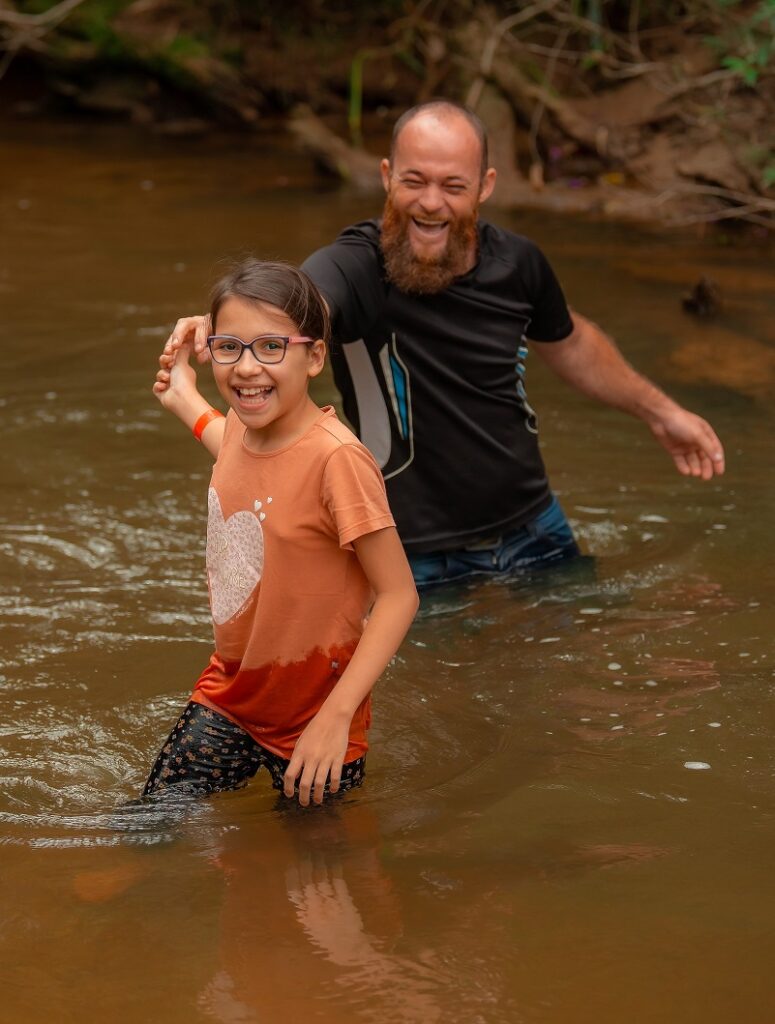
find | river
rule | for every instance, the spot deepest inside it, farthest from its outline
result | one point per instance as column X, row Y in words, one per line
column 568, row 817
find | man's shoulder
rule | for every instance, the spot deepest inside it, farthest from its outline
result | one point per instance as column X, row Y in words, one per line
column 350, row 274
column 500, row 243
column 355, row 249
column 365, row 232
column 512, row 257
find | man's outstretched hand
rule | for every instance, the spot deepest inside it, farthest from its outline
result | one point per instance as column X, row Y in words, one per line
column 691, row 441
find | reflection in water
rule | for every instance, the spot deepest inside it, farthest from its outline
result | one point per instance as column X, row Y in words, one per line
column 315, row 905
column 529, row 845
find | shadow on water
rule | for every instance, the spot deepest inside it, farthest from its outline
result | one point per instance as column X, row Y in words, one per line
column 568, row 771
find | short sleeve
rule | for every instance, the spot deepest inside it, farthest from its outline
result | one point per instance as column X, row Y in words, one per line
column 349, row 275
column 353, row 494
column 551, row 320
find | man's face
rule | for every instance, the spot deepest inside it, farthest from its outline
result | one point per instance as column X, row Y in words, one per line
column 434, row 188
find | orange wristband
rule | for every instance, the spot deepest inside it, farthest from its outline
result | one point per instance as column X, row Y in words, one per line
column 204, row 419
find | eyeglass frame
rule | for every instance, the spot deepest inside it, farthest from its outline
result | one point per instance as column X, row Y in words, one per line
column 286, row 339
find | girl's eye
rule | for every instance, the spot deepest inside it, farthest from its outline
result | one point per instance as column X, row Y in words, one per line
column 222, row 345
column 271, row 344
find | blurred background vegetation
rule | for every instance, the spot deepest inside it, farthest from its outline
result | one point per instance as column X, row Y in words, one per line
column 670, row 99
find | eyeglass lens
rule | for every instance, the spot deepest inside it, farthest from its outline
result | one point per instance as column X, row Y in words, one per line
column 267, row 348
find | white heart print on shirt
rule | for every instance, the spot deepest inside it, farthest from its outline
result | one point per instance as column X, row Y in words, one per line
column 235, row 558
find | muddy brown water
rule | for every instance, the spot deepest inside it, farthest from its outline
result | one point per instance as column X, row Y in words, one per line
column 568, row 816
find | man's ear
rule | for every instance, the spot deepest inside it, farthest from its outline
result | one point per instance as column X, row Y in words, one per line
column 488, row 184
column 384, row 170
column 316, row 357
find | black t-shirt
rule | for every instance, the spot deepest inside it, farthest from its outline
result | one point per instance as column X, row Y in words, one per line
column 434, row 384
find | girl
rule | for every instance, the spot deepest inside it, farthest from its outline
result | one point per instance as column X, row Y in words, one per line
column 301, row 548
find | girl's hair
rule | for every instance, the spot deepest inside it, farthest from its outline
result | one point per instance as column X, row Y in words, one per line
column 274, row 283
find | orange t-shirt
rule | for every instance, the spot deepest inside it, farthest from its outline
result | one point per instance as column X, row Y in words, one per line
column 287, row 593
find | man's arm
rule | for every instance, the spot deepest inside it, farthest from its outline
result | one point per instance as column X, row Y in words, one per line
column 589, row 361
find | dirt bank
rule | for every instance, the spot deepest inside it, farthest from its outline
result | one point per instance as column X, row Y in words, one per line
column 592, row 107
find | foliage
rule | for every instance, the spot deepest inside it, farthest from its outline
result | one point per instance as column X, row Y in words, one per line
column 93, row 22
column 745, row 39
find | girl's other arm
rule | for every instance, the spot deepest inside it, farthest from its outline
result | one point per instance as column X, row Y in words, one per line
column 321, row 748
column 177, row 391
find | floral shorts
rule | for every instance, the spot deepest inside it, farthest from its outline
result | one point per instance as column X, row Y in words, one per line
column 208, row 753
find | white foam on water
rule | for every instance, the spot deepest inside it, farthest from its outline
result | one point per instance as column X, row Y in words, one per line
column 697, row 766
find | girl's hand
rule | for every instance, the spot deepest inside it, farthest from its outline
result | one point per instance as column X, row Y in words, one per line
column 187, row 331
column 318, row 756
column 176, row 386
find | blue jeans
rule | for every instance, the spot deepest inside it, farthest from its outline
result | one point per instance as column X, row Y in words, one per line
column 545, row 540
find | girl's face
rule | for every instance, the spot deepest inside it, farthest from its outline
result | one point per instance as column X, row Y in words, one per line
column 270, row 399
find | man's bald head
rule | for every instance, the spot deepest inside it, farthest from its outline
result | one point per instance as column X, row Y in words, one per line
column 443, row 110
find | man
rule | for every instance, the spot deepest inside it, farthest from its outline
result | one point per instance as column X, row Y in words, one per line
column 432, row 310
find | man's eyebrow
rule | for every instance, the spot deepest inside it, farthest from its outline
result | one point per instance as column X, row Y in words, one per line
column 449, row 178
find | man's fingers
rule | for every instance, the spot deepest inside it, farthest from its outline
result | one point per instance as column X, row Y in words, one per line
column 681, row 464
column 715, row 452
column 706, row 464
column 711, row 444
column 200, row 335
column 192, row 329
column 693, row 461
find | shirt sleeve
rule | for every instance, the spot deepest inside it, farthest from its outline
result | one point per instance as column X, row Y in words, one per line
column 551, row 320
column 349, row 275
column 353, row 494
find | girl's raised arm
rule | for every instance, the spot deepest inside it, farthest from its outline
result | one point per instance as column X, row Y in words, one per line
column 177, row 391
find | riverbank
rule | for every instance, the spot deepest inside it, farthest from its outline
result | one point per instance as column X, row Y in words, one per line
column 635, row 117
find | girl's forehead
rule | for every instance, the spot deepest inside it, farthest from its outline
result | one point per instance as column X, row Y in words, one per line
column 238, row 315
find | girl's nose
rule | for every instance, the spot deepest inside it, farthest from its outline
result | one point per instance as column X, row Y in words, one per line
column 248, row 366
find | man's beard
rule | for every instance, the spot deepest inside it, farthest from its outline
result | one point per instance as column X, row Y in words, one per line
column 409, row 272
